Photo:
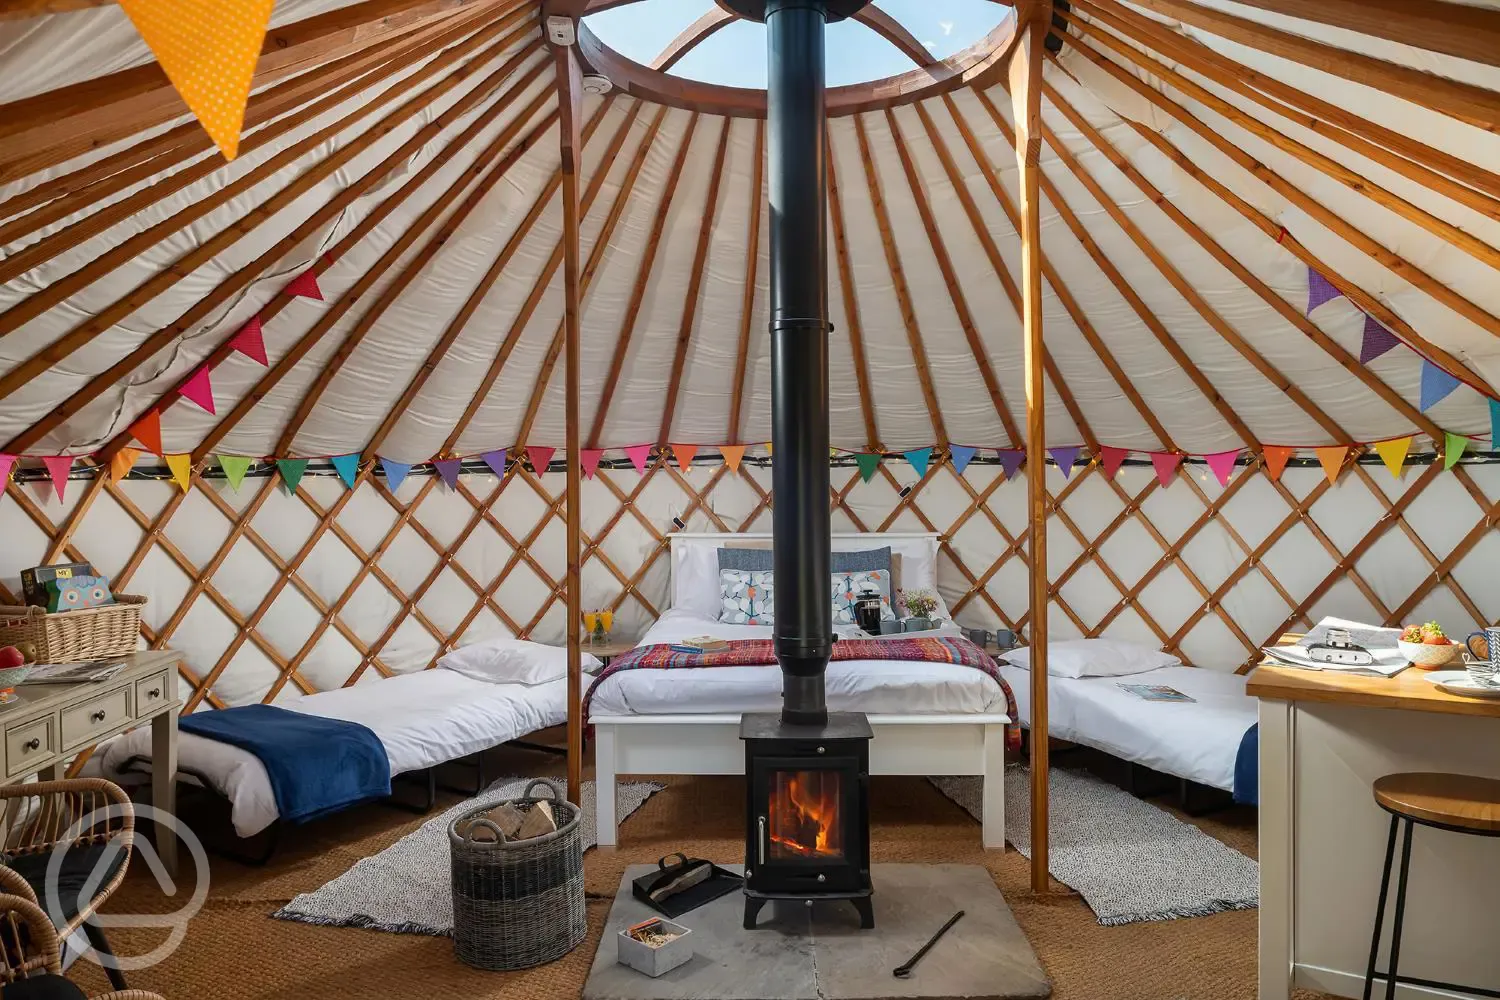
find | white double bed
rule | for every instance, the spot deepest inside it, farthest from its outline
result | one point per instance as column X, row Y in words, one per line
column 928, row 718
column 424, row 718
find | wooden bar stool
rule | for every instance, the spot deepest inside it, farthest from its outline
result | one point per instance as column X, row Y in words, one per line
column 1460, row 803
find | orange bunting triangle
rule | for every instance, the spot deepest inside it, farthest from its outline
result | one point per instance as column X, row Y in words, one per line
column 208, row 49
column 182, row 469
column 685, row 454
column 768, row 449
column 1393, row 453
column 121, row 464
column 1276, row 458
column 1332, row 460
column 733, row 455
column 147, row 430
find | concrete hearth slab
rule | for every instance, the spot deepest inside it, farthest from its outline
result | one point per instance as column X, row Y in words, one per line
column 821, row 954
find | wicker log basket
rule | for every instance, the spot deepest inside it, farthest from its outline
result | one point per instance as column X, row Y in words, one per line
column 75, row 636
column 518, row 903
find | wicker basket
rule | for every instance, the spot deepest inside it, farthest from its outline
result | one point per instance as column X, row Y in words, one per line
column 75, row 636
column 520, row 903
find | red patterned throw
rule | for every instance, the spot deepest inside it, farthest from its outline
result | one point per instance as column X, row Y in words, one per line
column 762, row 653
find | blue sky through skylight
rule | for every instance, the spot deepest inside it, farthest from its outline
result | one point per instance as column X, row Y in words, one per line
column 736, row 54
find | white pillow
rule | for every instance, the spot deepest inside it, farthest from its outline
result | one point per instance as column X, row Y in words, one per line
column 514, row 661
column 1095, row 658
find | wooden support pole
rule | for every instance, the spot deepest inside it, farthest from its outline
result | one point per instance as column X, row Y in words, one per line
column 1026, row 97
column 569, row 103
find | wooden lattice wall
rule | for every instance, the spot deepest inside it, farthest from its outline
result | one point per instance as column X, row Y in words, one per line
column 270, row 595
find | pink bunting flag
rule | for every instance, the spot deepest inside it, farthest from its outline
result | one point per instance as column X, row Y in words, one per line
column 7, row 462
column 1165, row 463
column 540, row 458
column 199, row 389
column 449, row 468
column 58, row 467
column 589, row 459
column 1222, row 464
column 250, row 342
column 1110, row 460
column 305, row 285
column 640, row 456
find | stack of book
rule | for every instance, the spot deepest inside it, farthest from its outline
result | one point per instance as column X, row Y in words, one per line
column 700, row 644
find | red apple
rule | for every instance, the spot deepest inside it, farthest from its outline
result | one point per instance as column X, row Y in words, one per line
column 10, row 656
column 1428, row 639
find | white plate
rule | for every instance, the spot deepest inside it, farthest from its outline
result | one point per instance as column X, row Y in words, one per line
column 1459, row 682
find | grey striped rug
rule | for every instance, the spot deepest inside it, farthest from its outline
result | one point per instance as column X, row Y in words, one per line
column 1129, row 860
column 407, row 888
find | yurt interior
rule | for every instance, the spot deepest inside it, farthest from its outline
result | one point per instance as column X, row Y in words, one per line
column 749, row 499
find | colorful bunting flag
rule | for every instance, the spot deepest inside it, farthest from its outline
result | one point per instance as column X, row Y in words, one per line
column 250, row 341
column 540, row 458
column 1453, row 448
column 1010, row 460
column 768, row 449
column 147, row 430
column 1165, row 463
column 962, row 455
column 1222, row 464
column 291, row 471
column 235, row 467
column 181, row 467
column 347, row 466
column 199, row 389
column 1110, row 460
column 58, row 467
column 1276, row 458
column 1495, row 425
column 7, row 462
column 208, row 50
column 868, row 463
column 1065, row 458
column 1319, row 290
column 919, row 458
column 119, row 466
column 733, row 455
column 496, row 461
column 685, row 454
column 640, row 457
column 305, row 285
column 1332, row 460
column 1437, row 385
column 395, row 473
column 1393, row 453
column 448, row 469
column 1377, row 340
column 589, row 458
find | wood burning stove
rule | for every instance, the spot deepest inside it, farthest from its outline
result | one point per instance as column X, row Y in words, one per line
column 808, row 835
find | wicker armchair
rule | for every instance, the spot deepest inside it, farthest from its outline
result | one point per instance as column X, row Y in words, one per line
column 92, row 822
column 30, row 952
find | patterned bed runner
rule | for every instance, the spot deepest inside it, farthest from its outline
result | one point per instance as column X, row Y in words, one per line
column 762, row 653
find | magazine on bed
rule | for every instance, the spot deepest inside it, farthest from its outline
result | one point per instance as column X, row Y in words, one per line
column 1156, row 692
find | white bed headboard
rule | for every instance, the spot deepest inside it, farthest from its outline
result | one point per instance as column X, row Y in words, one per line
column 695, row 559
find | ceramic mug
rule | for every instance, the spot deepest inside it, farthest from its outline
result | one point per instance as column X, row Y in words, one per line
column 1485, row 669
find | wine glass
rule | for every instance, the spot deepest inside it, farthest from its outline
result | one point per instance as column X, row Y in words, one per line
column 607, row 619
column 590, row 623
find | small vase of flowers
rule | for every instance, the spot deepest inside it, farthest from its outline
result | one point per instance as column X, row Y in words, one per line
column 919, row 606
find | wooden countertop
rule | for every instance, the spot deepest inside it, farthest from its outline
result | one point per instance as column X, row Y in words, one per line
column 1410, row 690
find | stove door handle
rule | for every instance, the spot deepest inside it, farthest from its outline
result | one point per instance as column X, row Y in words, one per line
column 761, row 841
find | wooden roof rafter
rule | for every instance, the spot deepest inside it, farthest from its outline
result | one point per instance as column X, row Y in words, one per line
column 748, row 290
column 852, row 322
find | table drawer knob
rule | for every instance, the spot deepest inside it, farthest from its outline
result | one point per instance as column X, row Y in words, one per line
column 98, row 716
column 34, row 743
column 154, row 693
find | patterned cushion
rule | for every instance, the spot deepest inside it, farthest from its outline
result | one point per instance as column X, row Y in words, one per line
column 734, row 557
column 746, row 597
column 846, row 591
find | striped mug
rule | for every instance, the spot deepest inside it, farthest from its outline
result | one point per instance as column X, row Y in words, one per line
column 1485, row 669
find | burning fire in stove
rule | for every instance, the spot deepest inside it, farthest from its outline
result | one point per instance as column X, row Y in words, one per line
column 805, row 819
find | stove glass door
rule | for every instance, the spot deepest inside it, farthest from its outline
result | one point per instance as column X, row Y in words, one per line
column 805, row 815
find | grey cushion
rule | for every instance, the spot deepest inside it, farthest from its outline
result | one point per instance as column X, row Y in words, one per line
column 759, row 560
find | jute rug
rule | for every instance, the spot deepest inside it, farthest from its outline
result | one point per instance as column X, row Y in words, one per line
column 1129, row 860
column 405, row 889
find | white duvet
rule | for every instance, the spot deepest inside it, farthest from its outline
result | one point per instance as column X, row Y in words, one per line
column 423, row 719
column 888, row 687
column 1194, row 740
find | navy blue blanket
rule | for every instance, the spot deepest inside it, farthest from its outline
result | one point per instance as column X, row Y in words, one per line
column 1247, row 768
column 317, row 766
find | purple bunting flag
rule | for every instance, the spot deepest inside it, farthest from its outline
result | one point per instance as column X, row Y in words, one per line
column 1377, row 341
column 496, row 461
column 1065, row 458
column 1319, row 290
column 1010, row 461
column 449, row 468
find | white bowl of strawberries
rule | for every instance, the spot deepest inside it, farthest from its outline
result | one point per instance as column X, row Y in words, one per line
column 1426, row 646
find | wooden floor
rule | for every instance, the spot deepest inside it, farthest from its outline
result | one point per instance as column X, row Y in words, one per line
column 233, row 950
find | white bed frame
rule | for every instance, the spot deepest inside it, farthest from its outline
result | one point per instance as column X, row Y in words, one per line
column 710, row 744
